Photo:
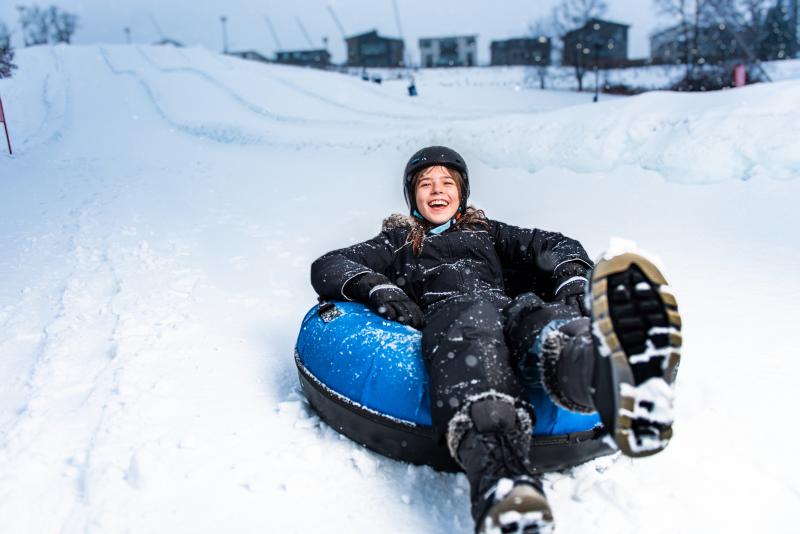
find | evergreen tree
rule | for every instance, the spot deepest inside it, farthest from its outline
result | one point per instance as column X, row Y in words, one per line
column 777, row 41
column 6, row 53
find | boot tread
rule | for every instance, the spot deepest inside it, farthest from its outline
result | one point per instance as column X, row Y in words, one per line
column 642, row 315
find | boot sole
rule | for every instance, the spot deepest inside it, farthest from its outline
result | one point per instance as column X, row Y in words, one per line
column 522, row 511
column 636, row 322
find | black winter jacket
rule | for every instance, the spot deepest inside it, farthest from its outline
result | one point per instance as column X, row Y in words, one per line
column 463, row 259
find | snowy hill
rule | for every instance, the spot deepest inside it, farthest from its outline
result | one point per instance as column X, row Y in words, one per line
column 158, row 220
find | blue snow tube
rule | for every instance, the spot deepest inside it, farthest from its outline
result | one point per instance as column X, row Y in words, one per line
column 365, row 376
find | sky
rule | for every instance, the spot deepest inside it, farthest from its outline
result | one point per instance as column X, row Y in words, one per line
column 198, row 22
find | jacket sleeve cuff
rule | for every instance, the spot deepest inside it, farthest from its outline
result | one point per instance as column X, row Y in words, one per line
column 351, row 278
column 571, row 285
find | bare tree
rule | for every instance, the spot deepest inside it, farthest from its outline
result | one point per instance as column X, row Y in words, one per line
column 6, row 52
column 35, row 27
column 42, row 26
column 754, row 12
column 748, row 18
column 733, row 15
column 62, row 24
column 777, row 40
column 543, row 29
column 571, row 15
column 691, row 16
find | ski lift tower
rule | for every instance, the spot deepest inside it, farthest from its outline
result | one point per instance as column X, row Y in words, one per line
column 412, row 85
column 274, row 34
column 303, row 30
column 336, row 20
column 338, row 25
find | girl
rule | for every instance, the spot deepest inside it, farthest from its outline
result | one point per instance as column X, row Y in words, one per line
column 441, row 270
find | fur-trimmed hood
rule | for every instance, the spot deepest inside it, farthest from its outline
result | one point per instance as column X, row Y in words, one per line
column 398, row 220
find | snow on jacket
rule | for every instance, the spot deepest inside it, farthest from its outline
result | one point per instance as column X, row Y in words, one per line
column 462, row 259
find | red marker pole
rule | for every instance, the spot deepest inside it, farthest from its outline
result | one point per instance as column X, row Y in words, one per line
column 3, row 120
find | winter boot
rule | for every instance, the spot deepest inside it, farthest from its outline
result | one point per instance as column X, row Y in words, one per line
column 626, row 366
column 490, row 438
column 636, row 325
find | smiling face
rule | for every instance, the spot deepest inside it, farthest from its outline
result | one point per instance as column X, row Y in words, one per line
column 437, row 194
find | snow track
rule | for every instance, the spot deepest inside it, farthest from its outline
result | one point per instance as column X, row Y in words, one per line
column 85, row 377
column 53, row 103
column 221, row 133
column 258, row 110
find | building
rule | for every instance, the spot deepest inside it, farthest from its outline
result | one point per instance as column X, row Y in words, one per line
column 598, row 42
column 371, row 50
column 167, row 41
column 250, row 55
column 521, row 51
column 319, row 58
column 711, row 44
column 458, row 51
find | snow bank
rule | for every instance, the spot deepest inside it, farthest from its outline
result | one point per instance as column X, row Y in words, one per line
column 686, row 138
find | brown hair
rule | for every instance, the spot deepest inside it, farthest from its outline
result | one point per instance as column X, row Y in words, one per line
column 471, row 216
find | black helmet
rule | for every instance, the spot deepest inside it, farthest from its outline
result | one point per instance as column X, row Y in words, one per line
column 428, row 157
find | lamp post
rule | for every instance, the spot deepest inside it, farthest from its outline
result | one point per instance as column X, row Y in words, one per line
column 596, row 71
column 596, row 43
column 223, row 19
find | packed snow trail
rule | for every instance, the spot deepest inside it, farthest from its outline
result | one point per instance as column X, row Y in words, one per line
column 158, row 222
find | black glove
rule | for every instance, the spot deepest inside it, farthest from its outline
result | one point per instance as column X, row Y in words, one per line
column 574, row 294
column 385, row 298
column 570, row 282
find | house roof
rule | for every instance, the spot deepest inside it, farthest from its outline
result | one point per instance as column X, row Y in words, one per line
column 539, row 39
column 475, row 36
column 604, row 21
column 372, row 33
column 305, row 51
column 248, row 54
column 595, row 20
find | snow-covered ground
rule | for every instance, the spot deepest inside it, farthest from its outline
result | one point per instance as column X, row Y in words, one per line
column 158, row 220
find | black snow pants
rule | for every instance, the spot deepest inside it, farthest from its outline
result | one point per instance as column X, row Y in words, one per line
column 472, row 345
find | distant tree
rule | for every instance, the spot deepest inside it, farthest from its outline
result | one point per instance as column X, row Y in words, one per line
column 752, row 13
column 573, row 14
column 746, row 21
column 713, row 33
column 691, row 16
column 545, row 29
column 42, row 26
column 777, row 38
column 62, row 24
column 34, row 24
column 6, row 52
